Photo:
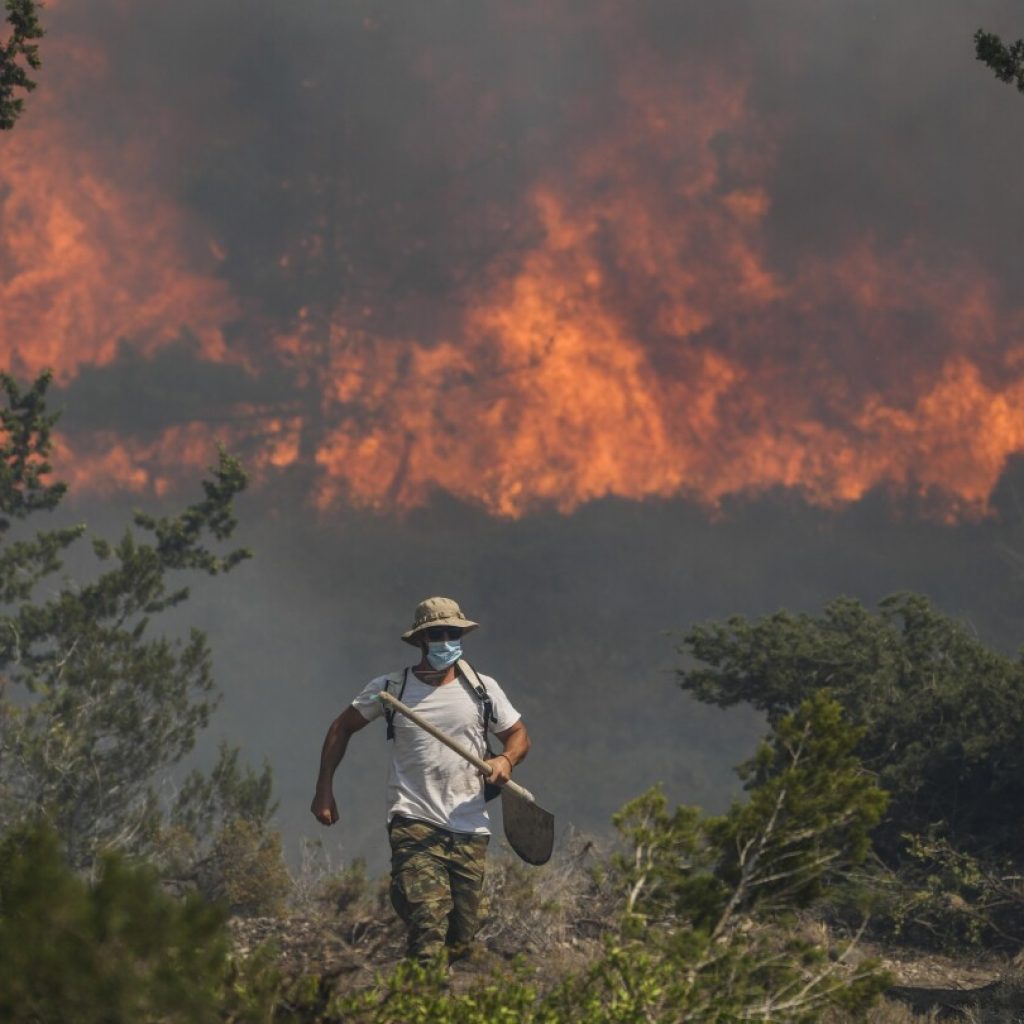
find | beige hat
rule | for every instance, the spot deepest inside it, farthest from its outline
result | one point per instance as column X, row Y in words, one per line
column 437, row 611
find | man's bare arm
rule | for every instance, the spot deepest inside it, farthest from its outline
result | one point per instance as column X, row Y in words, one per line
column 516, row 743
column 349, row 722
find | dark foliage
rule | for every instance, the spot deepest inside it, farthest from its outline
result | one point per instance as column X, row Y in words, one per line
column 942, row 716
column 118, row 949
column 17, row 53
column 96, row 707
column 1006, row 62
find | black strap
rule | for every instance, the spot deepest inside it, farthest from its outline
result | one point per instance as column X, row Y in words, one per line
column 466, row 672
column 389, row 711
column 491, row 791
column 473, row 680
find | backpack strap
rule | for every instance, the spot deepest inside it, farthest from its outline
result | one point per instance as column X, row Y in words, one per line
column 473, row 681
column 468, row 673
column 389, row 711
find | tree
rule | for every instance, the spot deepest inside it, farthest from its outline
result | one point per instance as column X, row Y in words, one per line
column 1007, row 62
column 19, row 51
column 96, row 709
column 707, row 900
column 115, row 949
column 942, row 715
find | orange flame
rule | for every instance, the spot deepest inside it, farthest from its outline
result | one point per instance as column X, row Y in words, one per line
column 91, row 256
column 104, row 463
column 644, row 344
column 668, row 366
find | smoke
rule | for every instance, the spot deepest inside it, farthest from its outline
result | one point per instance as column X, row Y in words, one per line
column 596, row 250
column 604, row 318
column 581, row 617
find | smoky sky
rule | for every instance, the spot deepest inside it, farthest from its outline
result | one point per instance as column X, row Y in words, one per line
column 581, row 620
column 375, row 163
column 406, row 139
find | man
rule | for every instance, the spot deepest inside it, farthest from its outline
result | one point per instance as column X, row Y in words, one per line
column 437, row 816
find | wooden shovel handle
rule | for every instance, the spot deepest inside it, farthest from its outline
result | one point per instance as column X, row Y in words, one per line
column 477, row 762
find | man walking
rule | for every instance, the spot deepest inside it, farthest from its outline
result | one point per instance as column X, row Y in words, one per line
column 437, row 815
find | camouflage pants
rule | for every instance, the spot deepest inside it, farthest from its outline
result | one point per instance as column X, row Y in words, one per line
column 437, row 881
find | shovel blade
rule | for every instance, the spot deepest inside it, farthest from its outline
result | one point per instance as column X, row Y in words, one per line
column 529, row 829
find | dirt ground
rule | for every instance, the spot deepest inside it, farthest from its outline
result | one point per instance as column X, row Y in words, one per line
column 928, row 983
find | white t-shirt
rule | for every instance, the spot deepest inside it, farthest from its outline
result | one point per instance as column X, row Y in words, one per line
column 427, row 781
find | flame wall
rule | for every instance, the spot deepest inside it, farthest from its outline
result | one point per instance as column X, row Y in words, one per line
column 529, row 255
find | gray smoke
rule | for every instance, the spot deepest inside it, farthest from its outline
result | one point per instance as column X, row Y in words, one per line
column 406, row 138
column 580, row 619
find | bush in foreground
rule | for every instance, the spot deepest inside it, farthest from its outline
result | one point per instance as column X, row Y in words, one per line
column 704, row 928
column 115, row 950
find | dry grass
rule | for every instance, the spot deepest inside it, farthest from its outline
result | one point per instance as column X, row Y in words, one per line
column 555, row 916
column 539, row 909
column 889, row 1011
column 1001, row 1003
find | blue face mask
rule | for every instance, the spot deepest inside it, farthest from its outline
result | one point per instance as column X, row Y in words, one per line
column 444, row 653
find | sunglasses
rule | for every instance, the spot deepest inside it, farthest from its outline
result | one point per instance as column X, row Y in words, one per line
column 435, row 633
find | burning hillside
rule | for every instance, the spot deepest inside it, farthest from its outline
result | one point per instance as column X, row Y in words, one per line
column 607, row 314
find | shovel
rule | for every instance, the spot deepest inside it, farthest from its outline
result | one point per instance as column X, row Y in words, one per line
column 529, row 829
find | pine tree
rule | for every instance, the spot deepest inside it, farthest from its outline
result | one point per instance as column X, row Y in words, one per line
column 942, row 715
column 708, row 901
column 1006, row 62
column 18, row 52
column 97, row 706
column 117, row 948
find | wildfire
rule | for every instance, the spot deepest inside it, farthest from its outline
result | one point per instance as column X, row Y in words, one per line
column 642, row 343
column 91, row 256
column 104, row 463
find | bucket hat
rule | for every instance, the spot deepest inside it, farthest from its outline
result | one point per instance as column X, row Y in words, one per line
column 437, row 611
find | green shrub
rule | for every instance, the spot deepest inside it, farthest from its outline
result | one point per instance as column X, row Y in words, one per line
column 942, row 715
column 345, row 890
column 709, row 900
column 422, row 994
column 115, row 950
column 704, row 929
column 941, row 898
column 246, row 871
